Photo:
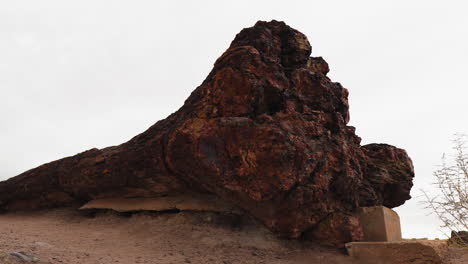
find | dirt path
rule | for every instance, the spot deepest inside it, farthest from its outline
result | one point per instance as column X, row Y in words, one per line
column 65, row 236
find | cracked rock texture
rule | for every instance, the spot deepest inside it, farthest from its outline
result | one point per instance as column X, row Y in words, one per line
column 266, row 131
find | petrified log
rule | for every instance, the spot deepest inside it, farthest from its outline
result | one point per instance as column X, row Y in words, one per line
column 265, row 131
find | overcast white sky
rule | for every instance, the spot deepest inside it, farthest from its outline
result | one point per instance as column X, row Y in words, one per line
column 81, row 74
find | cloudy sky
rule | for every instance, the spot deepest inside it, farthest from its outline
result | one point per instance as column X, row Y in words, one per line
column 81, row 74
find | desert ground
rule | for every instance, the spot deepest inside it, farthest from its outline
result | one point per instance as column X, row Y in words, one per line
column 71, row 237
column 67, row 236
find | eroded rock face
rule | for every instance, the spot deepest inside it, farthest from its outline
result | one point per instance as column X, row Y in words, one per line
column 266, row 131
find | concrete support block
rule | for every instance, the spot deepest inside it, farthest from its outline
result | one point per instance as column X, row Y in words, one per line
column 379, row 223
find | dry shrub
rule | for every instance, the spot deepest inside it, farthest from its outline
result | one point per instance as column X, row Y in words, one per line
column 450, row 202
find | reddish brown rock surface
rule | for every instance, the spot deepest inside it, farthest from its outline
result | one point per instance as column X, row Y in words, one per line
column 266, row 131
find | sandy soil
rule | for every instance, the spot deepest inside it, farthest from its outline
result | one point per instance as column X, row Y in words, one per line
column 69, row 237
column 66, row 236
column 457, row 255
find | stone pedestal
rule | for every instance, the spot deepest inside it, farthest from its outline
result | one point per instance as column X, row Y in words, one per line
column 380, row 223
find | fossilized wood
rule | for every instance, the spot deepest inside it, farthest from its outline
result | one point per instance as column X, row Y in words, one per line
column 267, row 131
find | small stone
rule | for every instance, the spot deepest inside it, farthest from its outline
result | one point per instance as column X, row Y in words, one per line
column 23, row 257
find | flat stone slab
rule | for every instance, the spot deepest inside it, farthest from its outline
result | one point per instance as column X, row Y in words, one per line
column 402, row 252
column 379, row 223
column 182, row 203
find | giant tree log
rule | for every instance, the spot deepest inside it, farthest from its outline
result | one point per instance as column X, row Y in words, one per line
column 267, row 131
